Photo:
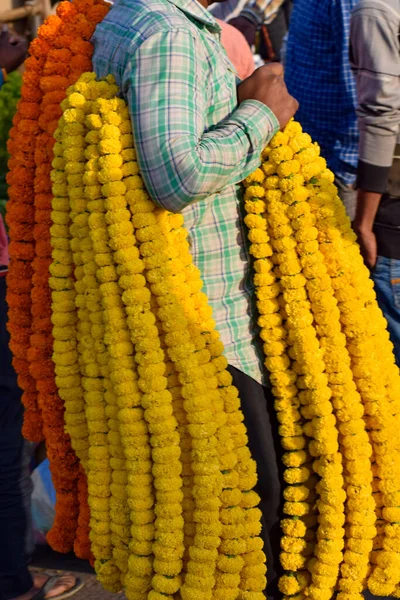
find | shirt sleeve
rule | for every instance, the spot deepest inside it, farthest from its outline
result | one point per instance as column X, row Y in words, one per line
column 168, row 88
column 375, row 56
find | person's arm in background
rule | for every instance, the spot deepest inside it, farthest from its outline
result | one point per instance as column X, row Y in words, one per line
column 167, row 86
column 12, row 53
column 375, row 57
column 253, row 15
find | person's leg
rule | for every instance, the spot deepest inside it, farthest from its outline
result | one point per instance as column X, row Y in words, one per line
column 14, row 575
column 348, row 196
column 26, row 491
column 262, row 427
column 386, row 276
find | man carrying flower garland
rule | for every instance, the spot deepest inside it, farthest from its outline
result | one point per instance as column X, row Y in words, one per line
column 197, row 137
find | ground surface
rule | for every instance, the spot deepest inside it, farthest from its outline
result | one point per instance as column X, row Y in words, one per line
column 53, row 563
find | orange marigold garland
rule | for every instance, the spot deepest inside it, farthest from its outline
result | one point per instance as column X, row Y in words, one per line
column 59, row 56
column 20, row 216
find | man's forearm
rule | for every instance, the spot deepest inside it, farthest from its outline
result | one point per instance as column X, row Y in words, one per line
column 367, row 207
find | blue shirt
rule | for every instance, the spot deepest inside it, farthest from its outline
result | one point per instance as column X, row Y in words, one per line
column 319, row 76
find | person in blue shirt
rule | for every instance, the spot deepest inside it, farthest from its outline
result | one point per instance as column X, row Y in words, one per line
column 318, row 74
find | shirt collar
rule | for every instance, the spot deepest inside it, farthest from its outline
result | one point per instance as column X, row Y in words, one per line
column 195, row 10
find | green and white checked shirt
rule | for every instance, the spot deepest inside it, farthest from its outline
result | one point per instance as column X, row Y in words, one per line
column 194, row 144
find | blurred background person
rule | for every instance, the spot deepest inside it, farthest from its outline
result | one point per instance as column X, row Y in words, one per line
column 237, row 49
column 375, row 56
column 264, row 23
column 318, row 74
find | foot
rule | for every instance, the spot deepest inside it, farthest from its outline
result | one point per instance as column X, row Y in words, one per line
column 62, row 584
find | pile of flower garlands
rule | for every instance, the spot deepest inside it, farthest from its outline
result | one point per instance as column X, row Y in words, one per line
column 141, row 371
column 114, row 340
column 332, row 368
column 60, row 54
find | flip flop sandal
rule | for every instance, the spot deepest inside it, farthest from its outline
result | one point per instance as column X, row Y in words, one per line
column 50, row 583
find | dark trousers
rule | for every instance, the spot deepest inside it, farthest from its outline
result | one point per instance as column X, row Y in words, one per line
column 14, row 575
column 262, row 428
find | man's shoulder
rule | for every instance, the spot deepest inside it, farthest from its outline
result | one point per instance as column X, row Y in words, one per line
column 145, row 18
column 387, row 8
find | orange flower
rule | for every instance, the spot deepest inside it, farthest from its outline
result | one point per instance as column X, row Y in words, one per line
column 31, row 78
column 56, row 68
column 45, row 386
column 81, row 63
column 97, row 13
column 23, row 250
column 82, row 47
column 82, row 542
column 31, row 93
column 54, row 97
column 29, row 110
column 53, row 82
column 66, row 11
column 64, row 40
column 50, row 29
column 43, row 201
column 38, row 48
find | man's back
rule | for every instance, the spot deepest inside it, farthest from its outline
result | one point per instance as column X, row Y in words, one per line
column 318, row 74
column 194, row 143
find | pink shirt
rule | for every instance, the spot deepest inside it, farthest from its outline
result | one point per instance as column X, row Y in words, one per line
column 237, row 49
column 4, row 259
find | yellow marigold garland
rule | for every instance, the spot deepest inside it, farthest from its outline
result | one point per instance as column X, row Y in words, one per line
column 366, row 334
column 165, row 384
column 238, row 510
column 293, row 166
column 298, row 493
column 347, row 402
column 192, row 384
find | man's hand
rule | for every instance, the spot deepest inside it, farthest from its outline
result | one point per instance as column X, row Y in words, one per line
column 12, row 51
column 367, row 207
column 367, row 241
column 267, row 86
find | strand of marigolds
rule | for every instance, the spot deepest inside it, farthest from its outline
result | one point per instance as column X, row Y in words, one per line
column 136, row 560
column 354, row 291
column 298, row 496
column 168, row 546
column 308, row 363
column 199, row 578
column 65, row 355
column 20, row 217
column 231, row 518
column 156, row 400
column 46, row 276
column 228, row 567
column 241, row 562
column 198, row 400
column 351, row 325
column 65, row 352
column 57, row 54
column 93, row 356
column 98, row 177
column 354, row 443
